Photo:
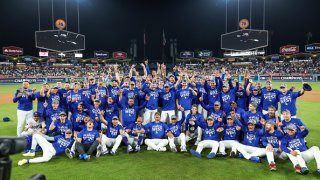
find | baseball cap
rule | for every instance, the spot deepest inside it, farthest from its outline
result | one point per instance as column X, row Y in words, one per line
column 254, row 104
column 55, row 102
column 114, row 79
column 268, row 82
column 115, row 117
column 96, row 100
column 68, row 131
column 217, row 103
column 225, row 85
column 6, row 119
column 171, row 75
column 283, row 85
column 62, row 114
column 36, row 114
column 233, row 102
column 91, row 78
column 166, row 85
column 173, row 117
column 271, row 122
column 55, row 87
column 229, row 117
column 292, row 127
column 210, row 118
column 157, row 113
column 90, row 120
column 251, row 121
column 132, row 83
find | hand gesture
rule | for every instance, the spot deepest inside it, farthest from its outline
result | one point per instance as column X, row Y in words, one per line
column 302, row 128
column 294, row 153
column 269, row 148
column 147, row 98
column 101, row 113
column 238, row 128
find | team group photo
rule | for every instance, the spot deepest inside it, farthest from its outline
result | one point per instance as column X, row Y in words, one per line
column 157, row 90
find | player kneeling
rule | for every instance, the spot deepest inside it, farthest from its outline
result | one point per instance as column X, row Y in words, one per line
column 271, row 140
column 112, row 138
column 134, row 135
column 210, row 138
column 157, row 131
column 250, row 149
column 178, row 136
column 294, row 145
column 57, row 147
column 230, row 136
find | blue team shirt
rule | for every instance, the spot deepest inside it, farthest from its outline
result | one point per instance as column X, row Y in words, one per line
column 134, row 127
column 256, row 99
column 296, row 142
column 168, row 100
column 269, row 98
column 288, row 101
column 61, row 143
column 41, row 100
column 209, row 132
column 152, row 104
column 296, row 121
column 157, row 130
column 256, row 117
column 88, row 137
column 61, row 128
column 230, row 132
column 184, row 97
column 272, row 138
column 24, row 101
column 113, row 131
column 252, row 138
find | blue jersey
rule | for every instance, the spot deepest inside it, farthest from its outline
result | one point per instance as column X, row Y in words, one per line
column 256, row 99
column 269, row 118
column 86, row 97
column 184, row 97
column 241, row 99
column 168, row 100
column 256, row 117
column 63, row 97
column 24, row 101
column 113, row 131
column 102, row 92
column 94, row 114
column 81, row 116
column 209, row 132
column 141, row 96
column 199, row 117
column 296, row 121
column 252, row 138
column 110, row 111
column 78, row 97
column 269, row 98
column 212, row 95
column 272, row 138
column 230, row 132
column 51, row 113
column 296, row 142
column 41, row 100
column 53, row 97
column 227, row 98
column 134, row 127
column 176, row 128
column 288, row 102
column 157, row 130
column 202, row 92
column 113, row 91
column 61, row 143
column 129, row 114
column 213, row 113
column 88, row 137
column 61, row 128
column 128, row 93
column 152, row 104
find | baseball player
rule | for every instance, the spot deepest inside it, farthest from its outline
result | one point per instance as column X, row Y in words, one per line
column 112, row 138
column 74, row 98
column 100, row 92
column 111, row 109
column 253, row 115
column 231, row 132
column 194, row 130
column 78, row 117
column 215, row 112
column 94, row 113
column 211, row 138
column 227, row 95
column 254, row 96
column 134, row 135
column 179, row 137
column 24, row 97
column 293, row 145
column 271, row 140
column 34, row 125
column 57, row 147
column 269, row 97
column 52, row 113
column 272, row 115
column 41, row 98
column 61, row 125
column 250, row 149
column 288, row 119
column 87, row 141
column 168, row 97
column 157, row 131
column 152, row 104
column 52, row 95
column 288, row 99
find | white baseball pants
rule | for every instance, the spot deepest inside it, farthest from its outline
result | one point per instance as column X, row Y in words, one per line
column 208, row 144
column 250, row 151
column 306, row 156
column 229, row 144
column 47, row 148
column 22, row 116
column 167, row 114
column 156, row 144
column 110, row 142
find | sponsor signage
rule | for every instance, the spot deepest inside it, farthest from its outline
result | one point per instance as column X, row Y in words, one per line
column 186, row 54
column 43, row 54
column 205, row 54
column 20, row 80
column 244, row 53
column 211, row 59
column 312, row 47
column 101, row 54
column 293, row 78
column 12, row 51
column 119, row 55
column 289, row 49
column 78, row 55
column 27, row 59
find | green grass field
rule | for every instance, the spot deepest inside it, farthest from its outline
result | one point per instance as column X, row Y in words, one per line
column 161, row 165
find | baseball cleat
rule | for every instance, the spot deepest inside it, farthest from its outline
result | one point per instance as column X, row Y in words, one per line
column 149, row 148
column 223, row 154
column 195, row 153
column 197, row 142
column 211, row 155
column 112, row 153
column 22, row 162
column 304, row 170
column 317, row 171
column 137, row 149
column 85, row 157
column 297, row 169
column 241, row 155
column 184, row 149
column 98, row 154
column 162, row 149
column 69, row 153
column 255, row 159
column 233, row 154
column 29, row 154
column 81, row 156
column 106, row 151
column 174, row 149
column 273, row 166
column 129, row 149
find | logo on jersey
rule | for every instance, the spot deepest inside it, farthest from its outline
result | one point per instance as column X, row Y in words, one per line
column 295, row 144
column 209, row 132
column 269, row 96
column 285, row 100
column 156, row 128
column 231, row 132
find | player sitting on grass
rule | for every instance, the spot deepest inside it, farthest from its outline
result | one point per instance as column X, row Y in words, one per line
column 157, row 131
column 112, row 138
column 294, row 145
column 34, row 125
column 134, row 135
column 250, row 149
column 57, row 147
column 59, row 126
column 176, row 129
column 288, row 119
column 210, row 137
column 87, row 141
column 231, row 132
column 271, row 140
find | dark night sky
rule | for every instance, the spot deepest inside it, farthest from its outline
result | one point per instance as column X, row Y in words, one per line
column 197, row 24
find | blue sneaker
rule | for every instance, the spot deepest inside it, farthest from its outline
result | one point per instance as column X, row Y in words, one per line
column 85, row 157
column 211, row 155
column 241, row 155
column 255, row 159
column 304, row 170
column 81, row 156
column 317, row 171
column 195, row 153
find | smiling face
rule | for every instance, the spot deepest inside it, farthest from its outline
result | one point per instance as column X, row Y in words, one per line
column 194, row 110
column 269, row 127
column 115, row 122
column 271, row 111
column 63, row 118
column 291, row 132
column 286, row 115
column 89, row 124
column 25, row 85
column 251, row 127
column 157, row 117
column 139, row 120
column 230, row 121
column 210, row 122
